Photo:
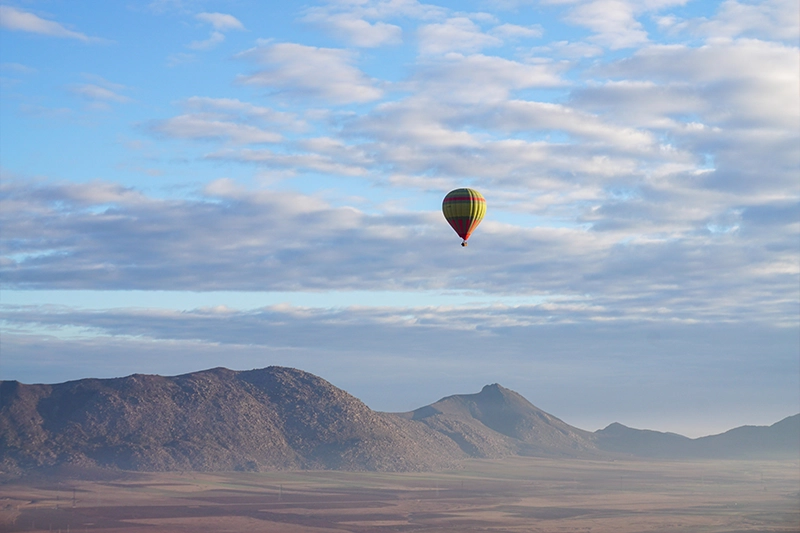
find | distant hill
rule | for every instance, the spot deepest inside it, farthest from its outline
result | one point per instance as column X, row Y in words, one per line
column 498, row 421
column 642, row 442
column 282, row 418
column 778, row 441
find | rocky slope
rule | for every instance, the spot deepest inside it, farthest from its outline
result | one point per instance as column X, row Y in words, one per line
column 275, row 418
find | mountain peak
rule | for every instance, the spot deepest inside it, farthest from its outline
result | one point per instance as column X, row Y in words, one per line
column 495, row 390
column 614, row 426
column 498, row 421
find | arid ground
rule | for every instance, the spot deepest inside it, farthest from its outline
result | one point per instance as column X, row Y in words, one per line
column 510, row 495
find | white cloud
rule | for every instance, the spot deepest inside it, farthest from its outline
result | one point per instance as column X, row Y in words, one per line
column 228, row 119
column 522, row 115
column 458, row 34
column 174, row 60
column 101, row 93
column 571, row 50
column 365, row 23
column 344, row 162
column 246, row 111
column 221, row 21
column 213, row 40
column 375, row 10
column 459, row 140
column 615, row 23
column 612, row 21
column 16, row 19
column 741, row 99
column 299, row 71
column 96, row 92
column 514, row 31
column 18, row 68
column 210, row 126
column 357, row 31
column 483, row 78
column 769, row 19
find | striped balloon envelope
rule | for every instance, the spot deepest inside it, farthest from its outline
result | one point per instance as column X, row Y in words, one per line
column 464, row 210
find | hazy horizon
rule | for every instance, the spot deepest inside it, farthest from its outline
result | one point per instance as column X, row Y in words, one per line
column 188, row 184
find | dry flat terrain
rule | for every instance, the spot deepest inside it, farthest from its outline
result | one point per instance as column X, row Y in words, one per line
column 509, row 495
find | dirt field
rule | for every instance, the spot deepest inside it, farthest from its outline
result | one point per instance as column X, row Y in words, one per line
column 513, row 495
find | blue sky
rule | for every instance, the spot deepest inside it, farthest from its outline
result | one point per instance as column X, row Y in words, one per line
column 189, row 184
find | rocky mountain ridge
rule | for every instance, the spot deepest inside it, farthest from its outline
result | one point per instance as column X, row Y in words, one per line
column 274, row 418
column 282, row 418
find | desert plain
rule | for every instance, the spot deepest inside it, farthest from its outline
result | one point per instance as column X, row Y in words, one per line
column 510, row 495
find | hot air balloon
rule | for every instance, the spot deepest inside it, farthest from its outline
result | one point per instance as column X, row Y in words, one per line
column 464, row 210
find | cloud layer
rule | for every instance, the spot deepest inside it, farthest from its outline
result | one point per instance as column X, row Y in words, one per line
column 103, row 236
